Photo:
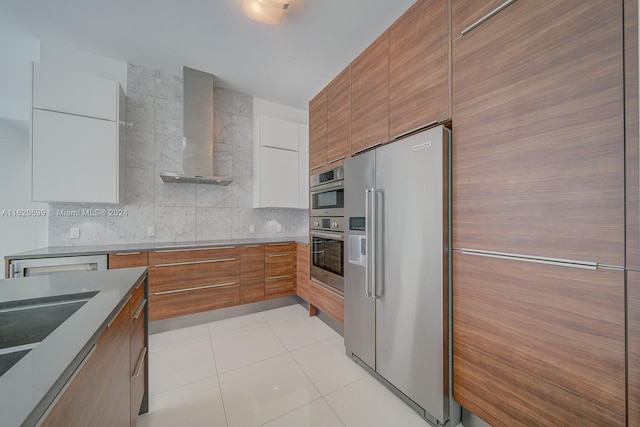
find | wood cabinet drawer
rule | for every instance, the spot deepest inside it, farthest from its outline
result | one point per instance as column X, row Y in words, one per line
column 164, row 306
column 280, row 286
column 138, row 384
column 303, row 272
column 127, row 260
column 279, row 264
column 158, row 258
column 165, row 278
column 251, row 274
column 137, row 295
column 328, row 301
column 279, row 248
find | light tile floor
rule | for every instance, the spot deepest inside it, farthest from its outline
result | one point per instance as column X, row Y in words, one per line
column 277, row 368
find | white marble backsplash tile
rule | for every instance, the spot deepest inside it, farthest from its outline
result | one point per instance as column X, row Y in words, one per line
column 179, row 212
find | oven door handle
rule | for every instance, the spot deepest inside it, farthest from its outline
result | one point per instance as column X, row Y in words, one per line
column 324, row 235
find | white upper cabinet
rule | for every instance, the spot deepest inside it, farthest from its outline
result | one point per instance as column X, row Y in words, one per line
column 276, row 133
column 279, row 175
column 77, row 138
column 74, row 93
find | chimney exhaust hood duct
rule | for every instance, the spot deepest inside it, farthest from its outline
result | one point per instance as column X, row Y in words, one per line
column 197, row 142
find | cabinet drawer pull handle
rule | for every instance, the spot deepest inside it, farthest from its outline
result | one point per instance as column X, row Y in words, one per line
column 143, row 353
column 278, row 255
column 252, row 246
column 487, row 16
column 194, row 289
column 173, row 264
column 67, row 384
column 279, row 244
column 536, row 260
column 127, row 253
column 324, row 288
column 193, row 249
column 409, row 132
column 279, row 277
column 368, row 147
column 139, row 309
column 113, row 319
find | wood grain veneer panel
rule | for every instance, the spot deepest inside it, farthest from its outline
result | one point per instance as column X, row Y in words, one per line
column 328, row 302
column 318, row 130
column 162, row 279
column 127, row 260
column 633, row 347
column 251, row 274
column 538, row 344
column 303, row 271
column 190, row 302
column 632, row 155
column 280, row 287
column 538, row 166
column 339, row 116
column 99, row 395
column 370, row 95
column 419, row 67
column 169, row 257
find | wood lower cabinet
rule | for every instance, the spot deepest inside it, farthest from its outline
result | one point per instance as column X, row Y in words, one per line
column 128, row 260
column 251, row 274
column 190, row 281
column 99, row 392
column 318, row 130
column 139, row 355
column 280, row 270
column 303, row 271
column 538, row 113
column 328, row 301
column 370, row 96
column 339, row 116
column 419, row 67
column 538, row 344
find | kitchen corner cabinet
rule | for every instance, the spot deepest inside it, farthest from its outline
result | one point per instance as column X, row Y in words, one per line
column 280, row 270
column 77, row 138
column 251, row 274
column 318, row 131
column 370, row 96
column 339, row 117
column 277, row 164
column 191, row 281
column 98, row 394
column 303, row 271
column 419, row 67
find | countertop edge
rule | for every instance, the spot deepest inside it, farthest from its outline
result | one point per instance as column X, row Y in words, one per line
column 63, row 251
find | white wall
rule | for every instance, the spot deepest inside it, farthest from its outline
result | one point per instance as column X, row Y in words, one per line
column 17, row 233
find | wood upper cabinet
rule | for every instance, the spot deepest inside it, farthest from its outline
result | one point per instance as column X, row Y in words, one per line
column 339, row 116
column 318, row 130
column 251, row 274
column 539, row 344
column 468, row 12
column 538, row 153
column 370, row 96
column 419, row 67
column 303, row 271
column 99, row 394
column 632, row 151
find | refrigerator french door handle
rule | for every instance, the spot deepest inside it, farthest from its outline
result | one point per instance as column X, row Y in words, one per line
column 367, row 230
column 374, row 244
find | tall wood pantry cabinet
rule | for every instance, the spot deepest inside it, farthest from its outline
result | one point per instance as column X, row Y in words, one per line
column 538, row 213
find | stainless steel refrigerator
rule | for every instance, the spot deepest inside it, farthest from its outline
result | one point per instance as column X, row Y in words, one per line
column 396, row 271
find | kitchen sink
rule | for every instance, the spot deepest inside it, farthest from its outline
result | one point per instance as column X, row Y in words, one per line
column 25, row 323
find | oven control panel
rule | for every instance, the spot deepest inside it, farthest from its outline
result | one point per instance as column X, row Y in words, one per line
column 329, row 223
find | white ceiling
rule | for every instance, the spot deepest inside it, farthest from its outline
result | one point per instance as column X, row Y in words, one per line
column 287, row 64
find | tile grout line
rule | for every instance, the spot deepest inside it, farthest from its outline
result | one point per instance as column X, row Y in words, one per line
column 224, row 408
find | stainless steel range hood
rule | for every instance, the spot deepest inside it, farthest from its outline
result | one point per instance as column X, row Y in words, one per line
column 197, row 143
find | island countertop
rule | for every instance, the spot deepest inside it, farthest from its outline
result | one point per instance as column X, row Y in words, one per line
column 30, row 386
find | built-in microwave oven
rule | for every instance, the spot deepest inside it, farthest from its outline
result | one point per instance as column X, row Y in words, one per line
column 326, row 193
